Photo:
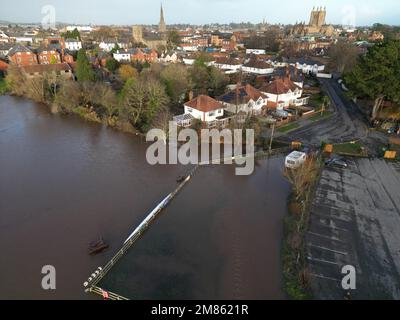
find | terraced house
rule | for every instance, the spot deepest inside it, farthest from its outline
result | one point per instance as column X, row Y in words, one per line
column 47, row 55
column 22, row 56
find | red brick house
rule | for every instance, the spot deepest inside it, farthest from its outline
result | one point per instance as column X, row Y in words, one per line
column 63, row 70
column 229, row 44
column 48, row 56
column 67, row 57
column 58, row 43
column 22, row 56
column 143, row 55
column 199, row 42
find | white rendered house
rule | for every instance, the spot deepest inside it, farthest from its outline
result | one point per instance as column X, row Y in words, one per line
column 243, row 99
column 73, row 44
column 284, row 92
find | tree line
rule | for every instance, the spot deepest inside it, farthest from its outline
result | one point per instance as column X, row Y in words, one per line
column 145, row 97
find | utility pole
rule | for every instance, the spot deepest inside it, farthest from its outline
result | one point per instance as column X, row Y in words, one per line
column 272, row 137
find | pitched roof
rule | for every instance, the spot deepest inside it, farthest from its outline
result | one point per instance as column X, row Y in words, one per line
column 5, row 46
column 242, row 94
column 18, row 48
column 41, row 68
column 227, row 61
column 279, row 86
column 258, row 64
column 42, row 49
column 204, row 103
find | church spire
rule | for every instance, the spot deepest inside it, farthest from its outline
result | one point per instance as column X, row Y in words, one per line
column 162, row 27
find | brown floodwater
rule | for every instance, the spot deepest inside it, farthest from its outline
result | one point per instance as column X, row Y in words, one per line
column 65, row 182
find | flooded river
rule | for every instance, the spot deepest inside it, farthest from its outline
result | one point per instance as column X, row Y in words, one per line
column 65, row 182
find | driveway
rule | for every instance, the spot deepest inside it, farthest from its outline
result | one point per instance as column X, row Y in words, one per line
column 347, row 124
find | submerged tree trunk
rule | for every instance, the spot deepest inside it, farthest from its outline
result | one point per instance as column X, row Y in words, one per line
column 377, row 106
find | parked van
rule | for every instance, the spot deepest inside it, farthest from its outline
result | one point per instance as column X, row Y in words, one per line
column 295, row 159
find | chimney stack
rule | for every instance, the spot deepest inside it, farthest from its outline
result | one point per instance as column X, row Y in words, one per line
column 288, row 72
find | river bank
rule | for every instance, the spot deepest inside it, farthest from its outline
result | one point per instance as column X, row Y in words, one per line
column 294, row 261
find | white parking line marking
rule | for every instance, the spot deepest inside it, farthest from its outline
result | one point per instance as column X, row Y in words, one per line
column 325, row 237
column 327, row 249
column 323, row 277
column 323, row 261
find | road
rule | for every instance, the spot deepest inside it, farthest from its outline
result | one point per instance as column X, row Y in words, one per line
column 347, row 124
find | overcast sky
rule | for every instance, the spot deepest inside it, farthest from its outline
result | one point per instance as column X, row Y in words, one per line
column 358, row 12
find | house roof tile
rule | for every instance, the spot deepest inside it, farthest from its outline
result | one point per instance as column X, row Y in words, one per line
column 204, row 103
column 242, row 94
column 279, row 86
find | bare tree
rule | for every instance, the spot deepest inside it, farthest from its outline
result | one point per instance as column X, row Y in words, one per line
column 302, row 177
column 69, row 96
column 16, row 80
column 343, row 56
column 176, row 79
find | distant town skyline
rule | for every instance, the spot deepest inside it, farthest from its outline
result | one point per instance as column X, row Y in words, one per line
column 126, row 12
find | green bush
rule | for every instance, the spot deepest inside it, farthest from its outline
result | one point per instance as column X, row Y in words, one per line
column 3, row 86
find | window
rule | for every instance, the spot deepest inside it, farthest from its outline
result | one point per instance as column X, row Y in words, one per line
column 189, row 110
column 211, row 114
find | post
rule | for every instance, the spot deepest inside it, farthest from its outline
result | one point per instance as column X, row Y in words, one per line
column 272, row 137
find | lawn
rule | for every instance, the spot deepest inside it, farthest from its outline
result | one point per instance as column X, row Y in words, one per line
column 288, row 127
column 316, row 100
column 348, row 148
column 318, row 116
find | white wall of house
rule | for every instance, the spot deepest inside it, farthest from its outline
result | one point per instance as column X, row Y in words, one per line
column 204, row 116
column 257, row 70
column 310, row 69
column 122, row 56
column 106, row 46
column 173, row 58
column 278, row 64
column 228, row 66
column 80, row 28
column 255, row 51
column 250, row 107
column 23, row 39
column 188, row 48
column 289, row 98
column 188, row 61
column 299, row 84
column 73, row 46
